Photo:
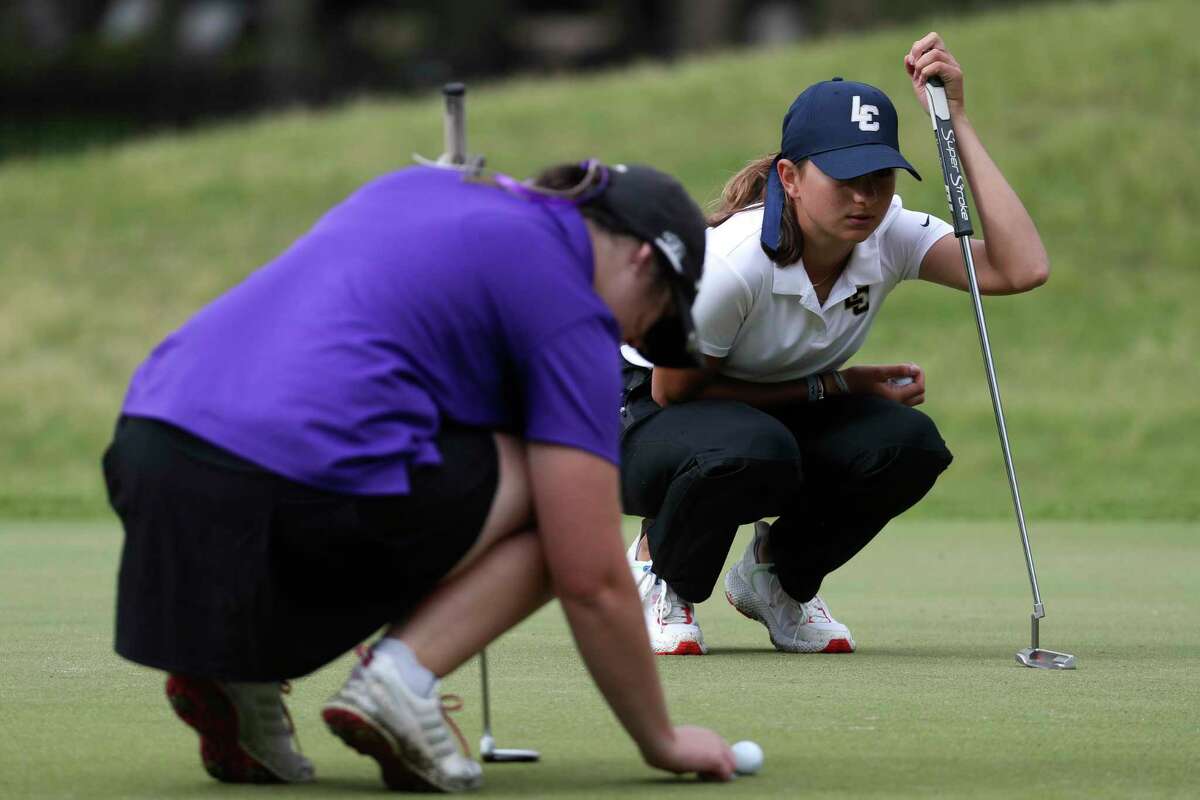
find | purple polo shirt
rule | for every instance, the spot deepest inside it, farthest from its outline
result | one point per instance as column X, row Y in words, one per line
column 421, row 299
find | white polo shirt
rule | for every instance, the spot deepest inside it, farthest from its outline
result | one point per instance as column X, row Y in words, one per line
column 765, row 321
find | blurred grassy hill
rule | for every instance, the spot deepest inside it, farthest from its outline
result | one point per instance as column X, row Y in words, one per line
column 1089, row 108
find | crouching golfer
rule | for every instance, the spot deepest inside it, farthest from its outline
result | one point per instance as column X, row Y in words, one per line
column 805, row 246
column 403, row 422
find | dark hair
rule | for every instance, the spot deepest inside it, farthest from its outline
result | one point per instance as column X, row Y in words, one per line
column 748, row 188
column 577, row 181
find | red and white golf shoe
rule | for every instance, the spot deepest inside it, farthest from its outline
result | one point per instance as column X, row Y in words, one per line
column 794, row 627
column 670, row 620
column 246, row 734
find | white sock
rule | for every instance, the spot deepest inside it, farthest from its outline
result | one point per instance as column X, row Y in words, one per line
column 419, row 679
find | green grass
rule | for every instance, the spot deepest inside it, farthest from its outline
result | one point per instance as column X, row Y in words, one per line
column 933, row 703
column 1089, row 109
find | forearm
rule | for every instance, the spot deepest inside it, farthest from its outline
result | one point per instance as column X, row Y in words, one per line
column 579, row 523
column 1014, row 248
column 670, row 386
column 769, row 395
column 611, row 636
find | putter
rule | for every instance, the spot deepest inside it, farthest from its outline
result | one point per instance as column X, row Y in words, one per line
column 956, row 196
column 454, row 134
column 454, row 156
column 487, row 744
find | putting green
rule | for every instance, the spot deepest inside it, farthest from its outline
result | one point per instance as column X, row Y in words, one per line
column 933, row 703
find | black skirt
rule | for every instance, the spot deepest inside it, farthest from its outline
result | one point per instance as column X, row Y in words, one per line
column 233, row 572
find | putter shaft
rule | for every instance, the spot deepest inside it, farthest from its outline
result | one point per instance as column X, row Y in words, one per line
column 1039, row 609
column 956, row 196
column 487, row 743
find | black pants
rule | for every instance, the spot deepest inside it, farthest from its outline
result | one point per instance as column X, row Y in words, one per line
column 834, row 472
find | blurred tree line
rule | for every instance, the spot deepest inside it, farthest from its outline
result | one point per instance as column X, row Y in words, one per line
column 77, row 71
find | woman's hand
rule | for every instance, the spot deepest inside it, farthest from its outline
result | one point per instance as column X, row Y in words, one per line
column 875, row 380
column 1010, row 258
column 696, row 750
column 929, row 57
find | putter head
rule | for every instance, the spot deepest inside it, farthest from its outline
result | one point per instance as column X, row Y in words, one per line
column 500, row 755
column 510, row 756
column 1045, row 659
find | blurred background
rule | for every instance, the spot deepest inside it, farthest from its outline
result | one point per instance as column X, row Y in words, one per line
column 156, row 152
column 75, row 72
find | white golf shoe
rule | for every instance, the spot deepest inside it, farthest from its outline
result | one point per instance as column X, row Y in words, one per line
column 246, row 734
column 409, row 736
column 794, row 627
column 670, row 620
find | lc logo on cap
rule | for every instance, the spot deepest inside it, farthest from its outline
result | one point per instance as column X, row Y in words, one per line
column 863, row 115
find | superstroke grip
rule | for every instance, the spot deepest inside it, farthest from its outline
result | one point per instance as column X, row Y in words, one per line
column 952, row 173
column 454, row 124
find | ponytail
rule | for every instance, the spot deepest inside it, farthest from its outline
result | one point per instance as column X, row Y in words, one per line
column 748, row 188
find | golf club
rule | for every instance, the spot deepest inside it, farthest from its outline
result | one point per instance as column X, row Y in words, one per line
column 454, row 134
column 454, row 156
column 487, row 744
column 956, row 196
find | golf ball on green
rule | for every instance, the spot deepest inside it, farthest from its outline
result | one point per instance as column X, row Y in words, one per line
column 747, row 757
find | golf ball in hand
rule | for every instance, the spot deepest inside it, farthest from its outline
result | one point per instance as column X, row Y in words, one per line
column 905, row 381
column 748, row 757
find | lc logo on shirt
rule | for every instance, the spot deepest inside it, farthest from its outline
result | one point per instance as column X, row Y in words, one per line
column 859, row 302
column 864, row 115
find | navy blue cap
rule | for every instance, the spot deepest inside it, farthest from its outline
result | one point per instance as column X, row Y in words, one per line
column 846, row 128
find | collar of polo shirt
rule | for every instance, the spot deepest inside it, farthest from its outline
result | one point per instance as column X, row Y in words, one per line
column 862, row 269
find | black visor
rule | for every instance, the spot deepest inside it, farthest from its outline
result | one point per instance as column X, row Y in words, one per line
column 654, row 207
column 671, row 342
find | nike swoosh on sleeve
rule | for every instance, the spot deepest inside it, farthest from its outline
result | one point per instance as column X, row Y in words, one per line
column 925, row 224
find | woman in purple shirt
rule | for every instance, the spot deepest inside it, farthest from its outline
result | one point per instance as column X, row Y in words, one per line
column 403, row 422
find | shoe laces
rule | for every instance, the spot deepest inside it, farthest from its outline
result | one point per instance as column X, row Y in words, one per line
column 272, row 715
column 271, row 711
column 669, row 607
column 364, row 654
column 286, row 688
column 454, row 703
column 449, row 702
column 793, row 613
column 815, row 610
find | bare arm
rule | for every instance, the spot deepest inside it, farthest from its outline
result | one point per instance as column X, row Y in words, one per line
column 670, row 386
column 577, row 504
column 1011, row 258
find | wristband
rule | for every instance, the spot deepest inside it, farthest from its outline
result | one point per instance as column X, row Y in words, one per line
column 816, row 388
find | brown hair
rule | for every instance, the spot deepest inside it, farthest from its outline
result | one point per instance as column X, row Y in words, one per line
column 574, row 181
column 749, row 188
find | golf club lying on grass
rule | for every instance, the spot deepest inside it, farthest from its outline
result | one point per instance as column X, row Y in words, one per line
column 454, row 137
column 956, row 196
